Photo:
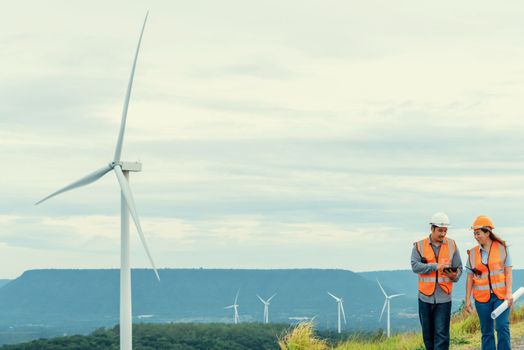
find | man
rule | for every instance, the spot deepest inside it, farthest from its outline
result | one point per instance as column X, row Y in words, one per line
column 437, row 262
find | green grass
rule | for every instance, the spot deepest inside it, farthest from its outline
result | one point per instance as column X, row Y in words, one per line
column 464, row 335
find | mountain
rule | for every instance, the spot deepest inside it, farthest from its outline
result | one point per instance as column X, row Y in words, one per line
column 3, row 282
column 44, row 303
column 65, row 301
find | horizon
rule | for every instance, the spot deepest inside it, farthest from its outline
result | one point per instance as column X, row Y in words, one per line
column 194, row 268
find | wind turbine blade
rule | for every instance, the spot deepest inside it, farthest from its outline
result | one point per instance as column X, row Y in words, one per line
column 334, row 297
column 86, row 180
column 118, row 149
column 262, row 300
column 236, row 298
column 271, row 297
column 383, row 308
column 382, row 289
column 396, row 295
column 229, row 307
column 343, row 313
column 128, row 195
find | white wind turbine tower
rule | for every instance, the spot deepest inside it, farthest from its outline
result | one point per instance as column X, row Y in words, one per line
column 121, row 170
column 340, row 307
column 387, row 302
column 235, row 308
column 266, row 307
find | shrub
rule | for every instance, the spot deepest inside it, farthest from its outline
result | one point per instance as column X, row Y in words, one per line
column 302, row 338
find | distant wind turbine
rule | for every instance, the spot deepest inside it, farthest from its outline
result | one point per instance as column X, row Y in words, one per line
column 387, row 302
column 266, row 307
column 340, row 307
column 236, row 319
column 127, row 207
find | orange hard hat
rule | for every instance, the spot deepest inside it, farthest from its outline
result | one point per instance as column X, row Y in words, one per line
column 482, row 221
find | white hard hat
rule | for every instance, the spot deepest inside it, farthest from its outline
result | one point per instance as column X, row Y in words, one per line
column 440, row 219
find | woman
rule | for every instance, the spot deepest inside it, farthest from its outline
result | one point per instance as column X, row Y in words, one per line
column 489, row 278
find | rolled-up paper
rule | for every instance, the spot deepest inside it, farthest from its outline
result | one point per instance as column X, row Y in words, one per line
column 502, row 307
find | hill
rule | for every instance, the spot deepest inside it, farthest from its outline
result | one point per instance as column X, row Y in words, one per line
column 3, row 282
column 79, row 301
column 47, row 303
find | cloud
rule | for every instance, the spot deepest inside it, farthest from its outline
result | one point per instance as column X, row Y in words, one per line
column 59, row 233
column 212, row 243
column 272, row 134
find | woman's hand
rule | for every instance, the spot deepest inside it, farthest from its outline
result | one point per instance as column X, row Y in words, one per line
column 509, row 298
column 469, row 308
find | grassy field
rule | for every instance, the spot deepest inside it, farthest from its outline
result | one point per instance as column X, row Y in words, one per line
column 465, row 335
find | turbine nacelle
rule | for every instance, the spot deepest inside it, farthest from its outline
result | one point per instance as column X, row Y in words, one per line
column 127, row 166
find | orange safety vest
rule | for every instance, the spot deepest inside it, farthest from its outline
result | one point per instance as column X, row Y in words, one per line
column 491, row 276
column 427, row 283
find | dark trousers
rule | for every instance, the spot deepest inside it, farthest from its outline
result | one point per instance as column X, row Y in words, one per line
column 486, row 325
column 434, row 319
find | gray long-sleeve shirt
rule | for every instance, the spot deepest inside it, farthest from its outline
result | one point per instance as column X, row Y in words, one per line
column 419, row 267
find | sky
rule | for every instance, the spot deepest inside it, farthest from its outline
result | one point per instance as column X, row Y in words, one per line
column 296, row 134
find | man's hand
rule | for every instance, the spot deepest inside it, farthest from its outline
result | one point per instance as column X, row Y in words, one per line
column 450, row 274
column 441, row 267
column 469, row 308
column 509, row 298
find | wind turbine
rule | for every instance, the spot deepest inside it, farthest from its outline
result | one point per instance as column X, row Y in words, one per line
column 387, row 302
column 266, row 307
column 340, row 307
column 235, row 308
column 121, row 170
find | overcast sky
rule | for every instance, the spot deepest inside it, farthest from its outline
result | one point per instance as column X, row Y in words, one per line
column 273, row 134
